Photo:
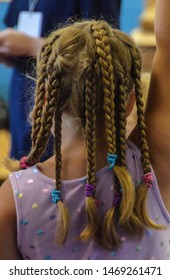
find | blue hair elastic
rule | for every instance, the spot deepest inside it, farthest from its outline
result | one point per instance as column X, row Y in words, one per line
column 111, row 159
column 56, row 196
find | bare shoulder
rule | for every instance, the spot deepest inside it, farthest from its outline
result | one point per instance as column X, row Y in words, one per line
column 6, row 197
column 8, row 225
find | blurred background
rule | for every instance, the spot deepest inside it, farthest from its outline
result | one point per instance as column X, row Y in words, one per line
column 130, row 12
column 136, row 18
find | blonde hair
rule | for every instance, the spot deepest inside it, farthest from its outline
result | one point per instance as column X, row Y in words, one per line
column 88, row 69
column 132, row 118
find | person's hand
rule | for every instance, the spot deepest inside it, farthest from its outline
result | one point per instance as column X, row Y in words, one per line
column 14, row 43
column 8, row 61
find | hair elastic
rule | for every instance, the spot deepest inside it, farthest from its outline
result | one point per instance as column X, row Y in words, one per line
column 89, row 190
column 111, row 159
column 56, row 196
column 117, row 199
column 23, row 164
column 148, row 179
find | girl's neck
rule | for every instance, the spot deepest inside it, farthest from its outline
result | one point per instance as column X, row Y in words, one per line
column 74, row 152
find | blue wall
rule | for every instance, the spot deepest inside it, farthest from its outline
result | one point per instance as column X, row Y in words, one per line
column 5, row 72
column 130, row 11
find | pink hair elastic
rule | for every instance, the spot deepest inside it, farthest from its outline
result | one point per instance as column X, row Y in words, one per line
column 89, row 190
column 148, row 179
column 23, row 163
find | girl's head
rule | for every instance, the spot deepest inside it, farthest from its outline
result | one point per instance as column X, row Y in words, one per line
column 88, row 70
column 86, row 56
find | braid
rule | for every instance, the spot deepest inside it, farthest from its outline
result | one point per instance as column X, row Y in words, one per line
column 105, row 59
column 90, row 134
column 141, row 194
column 47, row 106
column 100, row 33
column 124, row 187
column 121, row 119
column 51, row 107
column 127, row 218
column 126, row 206
column 141, row 121
column 46, row 122
column 37, row 114
column 63, row 219
column 40, row 87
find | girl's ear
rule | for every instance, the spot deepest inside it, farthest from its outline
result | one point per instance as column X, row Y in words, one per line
column 130, row 102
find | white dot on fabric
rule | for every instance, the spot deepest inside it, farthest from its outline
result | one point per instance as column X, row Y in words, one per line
column 30, row 181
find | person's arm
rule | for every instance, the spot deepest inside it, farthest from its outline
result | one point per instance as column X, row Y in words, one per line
column 14, row 44
column 8, row 227
column 158, row 105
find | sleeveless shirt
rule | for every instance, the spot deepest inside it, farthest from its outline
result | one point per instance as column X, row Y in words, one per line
column 36, row 216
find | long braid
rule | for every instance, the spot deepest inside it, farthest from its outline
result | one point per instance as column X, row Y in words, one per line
column 90, row 135
column 121, row 119
column 127, row 218
column 63, row 219
column 41, row 109
column 53, row 107
column 50, row 88
column 100, row 33
column 48, row 114
column 52, row 110
column 126, row 205
column 40, row 86
column 37, row 114
column 142, row 191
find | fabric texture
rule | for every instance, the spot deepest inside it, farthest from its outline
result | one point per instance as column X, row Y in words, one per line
column 36, row 216
column 21, row 89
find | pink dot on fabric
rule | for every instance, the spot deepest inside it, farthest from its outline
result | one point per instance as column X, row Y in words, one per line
column 152, row 258
column 45, row 190
column 123, row 238
column 30, row 181
column 78, row 210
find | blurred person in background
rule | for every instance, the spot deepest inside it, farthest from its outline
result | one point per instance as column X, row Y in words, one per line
column 28, row 22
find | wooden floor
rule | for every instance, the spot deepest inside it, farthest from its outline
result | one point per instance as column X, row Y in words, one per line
column 4, row 151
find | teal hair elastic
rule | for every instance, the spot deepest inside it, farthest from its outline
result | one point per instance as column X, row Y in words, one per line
column 111, row 159
column 56, row 196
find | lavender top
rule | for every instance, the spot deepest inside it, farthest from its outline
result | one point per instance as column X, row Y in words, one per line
column 36, row 217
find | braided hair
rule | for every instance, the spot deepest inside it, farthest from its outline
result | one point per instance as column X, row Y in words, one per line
column 88, row 69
